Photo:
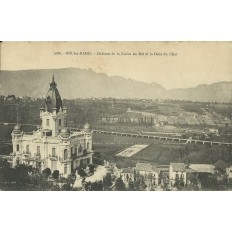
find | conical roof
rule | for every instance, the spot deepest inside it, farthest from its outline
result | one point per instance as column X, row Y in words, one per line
column 53, row 98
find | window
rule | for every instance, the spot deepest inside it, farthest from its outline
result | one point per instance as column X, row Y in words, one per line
column 53, row 165
column 71, row 150
column 17, row 147
column 65, row 154
column 59, row 131
column 75, row 150
column 80, row 148
column 38, row 150
column 65, row 169
column 53, row 152
column 59, row 122
column 88, row 160
column 87, row 146
column 27, row 148
column 47, row 122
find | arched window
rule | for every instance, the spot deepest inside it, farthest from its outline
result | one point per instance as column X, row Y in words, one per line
column 53, row 152
column 80, row 149
column 17, row 147
column 65, row 154
column 27, row 148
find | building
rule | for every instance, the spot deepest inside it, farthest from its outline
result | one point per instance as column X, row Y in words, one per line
column 229, row 172
column 148, row 171
column 203, row 168
column 53, row 145
column 128, row 174
column 177, row 174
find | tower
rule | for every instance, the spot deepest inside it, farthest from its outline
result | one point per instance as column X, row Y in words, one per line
column 53, row 114
column 53, row 145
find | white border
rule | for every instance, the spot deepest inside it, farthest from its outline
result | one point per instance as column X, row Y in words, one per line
column 115, row 21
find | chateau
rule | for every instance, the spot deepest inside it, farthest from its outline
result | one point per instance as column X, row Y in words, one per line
column 53, row 145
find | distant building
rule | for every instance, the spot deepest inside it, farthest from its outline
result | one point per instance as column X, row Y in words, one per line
column 149, row 172
column 229, row 172
column 177, row 174
column 203, row 168
column 128, row 174
column 53, row 145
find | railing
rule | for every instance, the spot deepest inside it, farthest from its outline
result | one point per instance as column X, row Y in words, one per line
column 64, row 160
column 26, row 153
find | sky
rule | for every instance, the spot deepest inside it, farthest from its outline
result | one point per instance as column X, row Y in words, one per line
column 171, row 64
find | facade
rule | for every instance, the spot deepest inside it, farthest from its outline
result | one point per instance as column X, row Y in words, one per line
column 53, row 145
column 149, row 172
column 229, row 172
column 128, row 174
column 177, row 174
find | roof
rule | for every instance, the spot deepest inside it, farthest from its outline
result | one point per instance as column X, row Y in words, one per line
column 189, row 170
column 178, row 167
column 143, row 167
column 163, row 168
column 155, row 169
column 53, row 99
column 209, row 168
column 128, row 170
column 221, row 165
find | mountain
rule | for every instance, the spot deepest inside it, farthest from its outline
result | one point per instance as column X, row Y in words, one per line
column 83, row 83
column 220, row 91
column 74, row 83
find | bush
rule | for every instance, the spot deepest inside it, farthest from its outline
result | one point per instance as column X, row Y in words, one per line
column 47, row 172
column 55, row 174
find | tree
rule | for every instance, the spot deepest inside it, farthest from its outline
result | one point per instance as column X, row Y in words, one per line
column 91, row 168
column 47, row 172
column 82, row 173
column 119, row 184
column 55, row 174
column 97, row 186
column 21, row 173
column 107, row 181
column 131, row 186
column 71, row 179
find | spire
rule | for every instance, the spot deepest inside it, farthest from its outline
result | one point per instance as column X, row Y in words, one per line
column 53, row 83
column 17, row 112
column 53, row 99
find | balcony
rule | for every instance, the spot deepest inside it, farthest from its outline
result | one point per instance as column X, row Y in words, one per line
column 53, row 157
column 62, row 160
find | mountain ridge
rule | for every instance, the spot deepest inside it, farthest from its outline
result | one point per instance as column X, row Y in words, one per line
column 84, row 83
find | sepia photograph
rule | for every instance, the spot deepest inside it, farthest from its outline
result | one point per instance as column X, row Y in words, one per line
column 115, row 116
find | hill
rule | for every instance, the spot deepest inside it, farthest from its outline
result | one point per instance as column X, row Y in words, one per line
column 81, row 83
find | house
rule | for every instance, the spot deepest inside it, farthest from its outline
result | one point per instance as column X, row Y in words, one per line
column 203, row 168
column 143, row 168
column 128, row 174
column 229, row 172
column 53, row 145
column 149, row 172
column 177, row 174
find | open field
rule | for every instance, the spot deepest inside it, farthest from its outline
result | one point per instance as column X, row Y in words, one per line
column 159, row 152
column 130, row 151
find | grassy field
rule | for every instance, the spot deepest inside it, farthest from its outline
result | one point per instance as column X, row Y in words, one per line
column 159, row 152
